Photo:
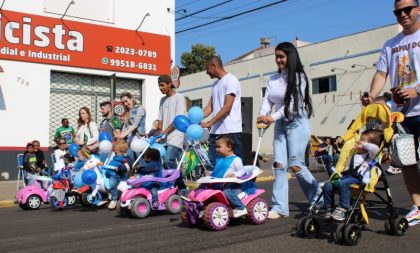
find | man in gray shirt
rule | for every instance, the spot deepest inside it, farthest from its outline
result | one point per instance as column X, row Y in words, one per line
column 171, row 105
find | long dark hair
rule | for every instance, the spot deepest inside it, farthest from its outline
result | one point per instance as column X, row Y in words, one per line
column 294, row 69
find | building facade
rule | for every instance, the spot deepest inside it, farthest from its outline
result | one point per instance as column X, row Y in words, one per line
column 57, row 56
column 340, row 70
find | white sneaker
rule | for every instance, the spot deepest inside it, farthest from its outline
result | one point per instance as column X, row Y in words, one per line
column 237, row 212
column 393, row 171
column 112, row 204
column 102, row 202
column 413, row 217
column 275, row 215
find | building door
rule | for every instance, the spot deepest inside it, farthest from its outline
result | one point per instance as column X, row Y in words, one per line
column 69, row 92
column 247, row 123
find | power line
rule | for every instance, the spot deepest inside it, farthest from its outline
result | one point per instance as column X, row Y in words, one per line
column 233, row 16
column 220, row 14
column 203, row 10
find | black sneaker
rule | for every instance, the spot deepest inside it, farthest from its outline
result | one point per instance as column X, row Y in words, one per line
column 155, row 204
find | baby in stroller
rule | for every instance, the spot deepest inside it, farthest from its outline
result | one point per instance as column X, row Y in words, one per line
column 357, row 171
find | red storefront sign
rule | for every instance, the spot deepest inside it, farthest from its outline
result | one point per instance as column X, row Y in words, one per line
column 39, row 39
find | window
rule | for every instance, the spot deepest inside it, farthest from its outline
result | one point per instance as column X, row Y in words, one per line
column 324, row 84
column 197, row 102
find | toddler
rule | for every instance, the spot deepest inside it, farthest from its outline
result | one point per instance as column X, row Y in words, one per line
column 230, row 166
column 152, row 165
column 357, row 171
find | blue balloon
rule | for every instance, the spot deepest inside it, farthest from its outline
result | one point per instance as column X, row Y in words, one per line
column 195, row 132
column 159, row 147
column 89, row 177
column 73, row 148
column 196, row 115
column 78, row 181
column 105, row 136
column 181, row 123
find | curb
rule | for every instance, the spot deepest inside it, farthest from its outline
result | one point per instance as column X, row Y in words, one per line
column 7, row 203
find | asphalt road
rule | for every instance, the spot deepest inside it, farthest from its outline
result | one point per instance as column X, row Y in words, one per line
column 100, row 230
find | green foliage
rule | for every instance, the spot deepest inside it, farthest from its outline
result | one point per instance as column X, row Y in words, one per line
column 195, row 61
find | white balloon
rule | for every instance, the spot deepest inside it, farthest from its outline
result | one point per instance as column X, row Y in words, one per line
column 138, row 145
column 205, row 135
column 105, row 146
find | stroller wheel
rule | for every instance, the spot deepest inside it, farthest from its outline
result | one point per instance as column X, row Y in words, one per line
column 300, row 232
column 397, row 226
column 352, row 234
column 311, row 228
column 358, row 219
column 338, row 234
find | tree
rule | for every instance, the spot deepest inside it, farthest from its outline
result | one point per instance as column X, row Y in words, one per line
column 195, row 61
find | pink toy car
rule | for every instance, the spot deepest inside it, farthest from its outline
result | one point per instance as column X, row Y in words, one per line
column 32, row 196
column 137, row 201
column 212, row 207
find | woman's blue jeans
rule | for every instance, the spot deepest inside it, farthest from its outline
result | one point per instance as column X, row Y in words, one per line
column 290, row 141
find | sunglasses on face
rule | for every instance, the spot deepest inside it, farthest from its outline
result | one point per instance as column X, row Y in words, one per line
column 407, row 10
column 62, row 143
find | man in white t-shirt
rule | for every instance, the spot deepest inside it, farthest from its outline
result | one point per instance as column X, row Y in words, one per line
column 400, row 59
column 171, row 105
column 225, row 107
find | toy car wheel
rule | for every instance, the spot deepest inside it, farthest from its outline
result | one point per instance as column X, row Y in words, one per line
column 300, row 232
column 257, row 211
column 33, row 202
column 400, row 226
column 140, row 208
column 185, row 217
column 352, row 234
column 311, row 228
column 87, row 200
column 216, row 216
column 55, row 205
column 338, row 234
column 71, row 199
column 173, row 204
column 122, row 211
column 23, row 206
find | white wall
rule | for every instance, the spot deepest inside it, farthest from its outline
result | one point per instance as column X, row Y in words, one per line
column 27, row 105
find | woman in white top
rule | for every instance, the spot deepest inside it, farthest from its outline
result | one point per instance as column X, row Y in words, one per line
column 87, row 130
column 288, row 92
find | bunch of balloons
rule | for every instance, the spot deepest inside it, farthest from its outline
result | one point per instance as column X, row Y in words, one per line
column 191, row 125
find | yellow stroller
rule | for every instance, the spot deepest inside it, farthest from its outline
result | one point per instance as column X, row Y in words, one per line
column 350, row 230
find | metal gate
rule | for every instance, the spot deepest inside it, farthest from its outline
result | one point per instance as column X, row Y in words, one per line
column 69, row 92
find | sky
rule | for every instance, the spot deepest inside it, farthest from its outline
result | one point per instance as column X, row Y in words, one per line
column 309, row 20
